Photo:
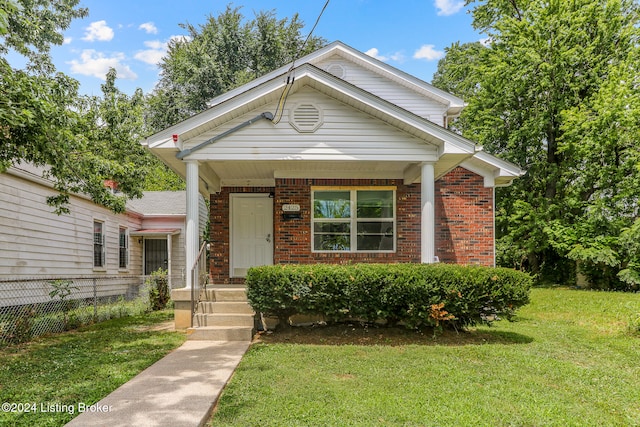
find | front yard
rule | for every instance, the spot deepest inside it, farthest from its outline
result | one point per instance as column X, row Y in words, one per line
column 570, row 359
column 44, row 382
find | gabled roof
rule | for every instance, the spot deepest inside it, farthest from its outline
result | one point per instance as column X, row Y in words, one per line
column 160, row 203
column 260, row 95
column 455, row 104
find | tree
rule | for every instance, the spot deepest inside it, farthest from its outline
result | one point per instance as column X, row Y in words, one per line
column 80, row 142
column 226, row 52
column 535, row 95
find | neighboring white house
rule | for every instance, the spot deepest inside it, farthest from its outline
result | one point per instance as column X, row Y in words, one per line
column 91, row 241
column 162, row 231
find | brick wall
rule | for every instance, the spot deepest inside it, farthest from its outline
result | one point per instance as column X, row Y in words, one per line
column 464, row 219
column 293, row 237
column 464, row 223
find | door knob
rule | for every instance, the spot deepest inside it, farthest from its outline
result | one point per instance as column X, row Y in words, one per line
column 269, row 237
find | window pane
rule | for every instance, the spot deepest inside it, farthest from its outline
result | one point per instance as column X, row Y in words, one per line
column 98, row 248
column 331, row 236
column 375, row 236
column 375, row 204
column 331, row 204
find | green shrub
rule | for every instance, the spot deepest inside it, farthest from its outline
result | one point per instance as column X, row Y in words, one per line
column 159, row 293
column 18, row 328
column 413, row 294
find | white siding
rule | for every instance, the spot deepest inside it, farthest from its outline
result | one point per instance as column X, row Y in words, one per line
column 35, row 242
column 178, row 254
column 346, row 134
column 391, row 91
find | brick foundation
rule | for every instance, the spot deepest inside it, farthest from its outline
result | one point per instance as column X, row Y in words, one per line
column 464, row 223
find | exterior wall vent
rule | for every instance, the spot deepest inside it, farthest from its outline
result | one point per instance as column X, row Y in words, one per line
column 305, row 118
column 337, row 70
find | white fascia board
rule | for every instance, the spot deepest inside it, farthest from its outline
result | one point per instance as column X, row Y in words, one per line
column 454, row 104
column 495, row 171
column 282, row 71
column 507, row 169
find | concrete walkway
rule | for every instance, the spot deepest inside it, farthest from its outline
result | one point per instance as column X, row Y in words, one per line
column 178, row 390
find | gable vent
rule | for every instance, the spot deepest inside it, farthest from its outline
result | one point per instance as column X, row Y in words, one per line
column 337, row 70
column 305, row 118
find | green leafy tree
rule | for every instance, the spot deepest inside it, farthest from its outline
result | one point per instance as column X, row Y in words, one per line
column 80, row 142
column 225, row 52
column 538, row 96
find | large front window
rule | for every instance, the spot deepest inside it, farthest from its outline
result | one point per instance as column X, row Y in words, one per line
column 354, row 220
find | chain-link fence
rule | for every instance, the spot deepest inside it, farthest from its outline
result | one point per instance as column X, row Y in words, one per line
column 34, row 307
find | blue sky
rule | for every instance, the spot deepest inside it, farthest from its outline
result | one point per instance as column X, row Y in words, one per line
column 131, row 35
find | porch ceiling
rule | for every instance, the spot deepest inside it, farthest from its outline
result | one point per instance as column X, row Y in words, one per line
column 264, row 173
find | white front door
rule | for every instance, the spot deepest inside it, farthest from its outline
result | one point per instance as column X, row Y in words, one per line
column 251, row 232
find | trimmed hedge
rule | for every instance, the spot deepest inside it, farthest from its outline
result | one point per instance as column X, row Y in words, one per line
column 413, row 294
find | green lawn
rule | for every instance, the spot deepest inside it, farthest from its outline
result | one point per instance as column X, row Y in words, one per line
column 569, row 360
column 51, row 374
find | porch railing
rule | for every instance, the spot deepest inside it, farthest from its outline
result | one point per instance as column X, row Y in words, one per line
column 199, row 278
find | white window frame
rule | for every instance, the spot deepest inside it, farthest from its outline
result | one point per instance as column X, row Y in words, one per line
column 353, row 220
column 103, row 246
column 124, row 229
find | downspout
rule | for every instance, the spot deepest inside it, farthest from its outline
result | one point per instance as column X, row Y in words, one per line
column 184, row 153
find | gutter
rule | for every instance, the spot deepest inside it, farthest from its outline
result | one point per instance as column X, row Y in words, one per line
column 184, row 153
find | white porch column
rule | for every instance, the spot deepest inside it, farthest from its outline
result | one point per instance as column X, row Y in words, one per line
column 169, row 260
column 192, row 233
column 428, row 224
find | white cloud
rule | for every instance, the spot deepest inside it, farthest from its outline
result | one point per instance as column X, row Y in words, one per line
column 154, row 54
column 428, row 52
column 96, row 64
column 398, row 57
column 157, row 50
column 149, row 27
column 99, row 31
column 448, row 7
column 375, row 53
column 67, row 40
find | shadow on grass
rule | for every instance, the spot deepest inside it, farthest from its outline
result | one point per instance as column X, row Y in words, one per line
column 356, row 334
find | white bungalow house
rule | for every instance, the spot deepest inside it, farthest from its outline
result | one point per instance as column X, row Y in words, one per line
column 335, row 128
column 91, row 241
column 337, row 157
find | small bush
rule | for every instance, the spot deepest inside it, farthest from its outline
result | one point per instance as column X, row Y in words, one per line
column 158, row 284
column 18, row 328
column 413, row 294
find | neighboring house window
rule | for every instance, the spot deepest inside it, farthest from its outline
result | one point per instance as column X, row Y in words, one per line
column 354, row 220
column 123, row 257
column 98, row 244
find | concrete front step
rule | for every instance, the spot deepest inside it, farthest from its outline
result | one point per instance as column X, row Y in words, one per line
column 236, row 307
column 220, row 333
column 223, row 319
column 226, row 294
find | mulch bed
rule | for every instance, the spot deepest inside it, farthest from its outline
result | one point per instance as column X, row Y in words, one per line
column 366, row 334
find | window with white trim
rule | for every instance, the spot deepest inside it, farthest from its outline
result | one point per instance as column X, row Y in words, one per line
column 98, row 245
column 354, row 219
column 123, row 253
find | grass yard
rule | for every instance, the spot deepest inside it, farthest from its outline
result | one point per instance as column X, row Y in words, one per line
column 42, row 379
column 570, row 359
